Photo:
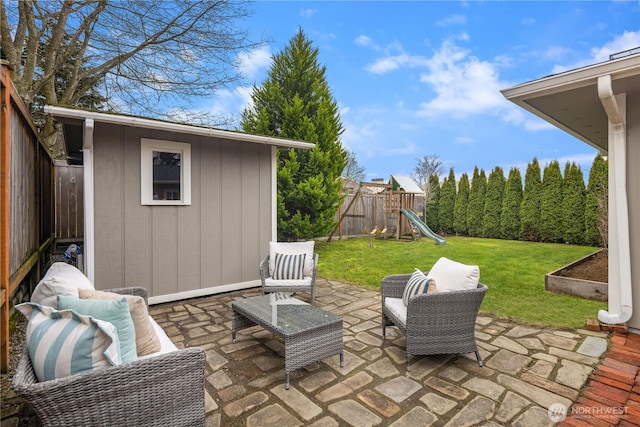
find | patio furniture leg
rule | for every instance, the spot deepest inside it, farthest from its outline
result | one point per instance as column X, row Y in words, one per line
column 287, row 383
column 479, row 358
column 342, row 360
column 408, row 363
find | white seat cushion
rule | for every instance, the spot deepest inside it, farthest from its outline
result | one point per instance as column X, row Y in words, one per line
column 292, row 248
column 397, row 307
column 299, row 282
column 454, row 276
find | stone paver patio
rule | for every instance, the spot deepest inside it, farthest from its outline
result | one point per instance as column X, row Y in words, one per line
column 527, row 369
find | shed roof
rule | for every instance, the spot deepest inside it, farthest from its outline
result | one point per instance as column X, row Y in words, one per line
column 73, row 120
column 405, row 183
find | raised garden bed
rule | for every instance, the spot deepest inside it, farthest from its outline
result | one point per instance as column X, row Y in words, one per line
column 583, row 278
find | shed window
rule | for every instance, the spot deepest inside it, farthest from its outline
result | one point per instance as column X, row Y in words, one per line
column 165, row 172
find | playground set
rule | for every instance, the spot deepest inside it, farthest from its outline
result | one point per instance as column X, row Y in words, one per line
column 400, row 217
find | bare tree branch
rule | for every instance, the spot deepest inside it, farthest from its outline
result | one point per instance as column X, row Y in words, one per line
column 145, row 57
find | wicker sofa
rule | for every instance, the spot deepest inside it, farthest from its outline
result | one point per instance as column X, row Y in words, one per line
column 436, row 323
column 161, row 389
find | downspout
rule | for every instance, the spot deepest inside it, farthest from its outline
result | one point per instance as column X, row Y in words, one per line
column 620, row 289
column 89, row 226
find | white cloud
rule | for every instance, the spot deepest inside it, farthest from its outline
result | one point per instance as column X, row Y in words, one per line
column 366, row 41
column 464, row 84
column 528, row 21
column 556, row 53
column 464, row 140
column 625, row 41
column 628, row 40
column 308, row 13
column 515, row 115
column 392, row 63
column 252, row 62
column 452, row 20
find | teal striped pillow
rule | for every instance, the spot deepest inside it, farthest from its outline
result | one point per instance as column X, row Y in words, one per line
column 62, row 342
column 289, row 267
column 418, row 284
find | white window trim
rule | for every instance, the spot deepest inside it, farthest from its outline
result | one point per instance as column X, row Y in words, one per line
column 147, row 147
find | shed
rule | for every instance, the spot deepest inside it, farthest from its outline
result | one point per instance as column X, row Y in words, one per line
column 182, row 210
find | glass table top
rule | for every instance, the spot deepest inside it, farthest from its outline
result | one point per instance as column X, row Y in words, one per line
column 284, row 313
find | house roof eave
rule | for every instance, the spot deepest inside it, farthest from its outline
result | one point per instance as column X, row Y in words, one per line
column 570, row 101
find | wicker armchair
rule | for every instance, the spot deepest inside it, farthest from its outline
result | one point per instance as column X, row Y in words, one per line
column 437, row 323
column 288, row 285
column 163, row 390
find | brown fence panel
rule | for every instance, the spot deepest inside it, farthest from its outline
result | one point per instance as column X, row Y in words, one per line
column 69, row 202
column 26, row 196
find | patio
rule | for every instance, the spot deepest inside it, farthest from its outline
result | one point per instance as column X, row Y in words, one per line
column 527, row 369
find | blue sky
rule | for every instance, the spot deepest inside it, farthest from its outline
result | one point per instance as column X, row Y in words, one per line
column 422, row 77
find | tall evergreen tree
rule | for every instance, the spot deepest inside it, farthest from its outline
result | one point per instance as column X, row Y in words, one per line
column 551, row 204
column 475, row 212
column 461, row 206
column 493, row 203
column 432, row 205
column 596, row 197
column 295, row 102
column 530, row 208
column 510, row 215
column 447, row 203
column 573, row 204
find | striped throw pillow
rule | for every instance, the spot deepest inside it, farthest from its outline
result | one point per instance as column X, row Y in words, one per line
column 418, row 284
column 289, row 267
column 62, row 342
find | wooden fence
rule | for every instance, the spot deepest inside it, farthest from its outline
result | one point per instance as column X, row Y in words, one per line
column 26, row 203
column 69, row 202
column 359, row 214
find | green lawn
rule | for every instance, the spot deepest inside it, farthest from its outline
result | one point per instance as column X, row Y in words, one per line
column 514, row 272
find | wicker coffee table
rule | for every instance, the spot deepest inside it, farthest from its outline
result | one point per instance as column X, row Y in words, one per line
column 310, row 334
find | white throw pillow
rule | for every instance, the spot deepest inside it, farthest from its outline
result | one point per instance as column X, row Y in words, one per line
column 292, row 248
column 454, row 276
column 60, row 279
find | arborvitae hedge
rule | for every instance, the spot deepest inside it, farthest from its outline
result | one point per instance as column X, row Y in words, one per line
column 551, row 204
column 573, row 203
column 510, row 216
column 462, row 204
column 596, row 195
column 432, row 205
column 530, row 208
column 551, row 209
column 475, row 213
column 493, row 203
column 447, row 203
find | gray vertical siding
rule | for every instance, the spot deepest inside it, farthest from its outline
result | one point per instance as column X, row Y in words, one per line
column 218, row 240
